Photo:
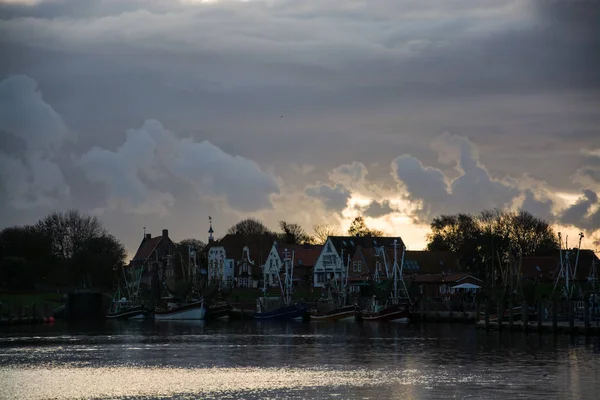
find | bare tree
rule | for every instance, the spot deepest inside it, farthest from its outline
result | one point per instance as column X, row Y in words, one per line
column 293, row 233
column 70, row 231
column 323, row 231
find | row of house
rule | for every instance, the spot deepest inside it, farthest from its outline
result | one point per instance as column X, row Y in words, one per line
column 251, row 261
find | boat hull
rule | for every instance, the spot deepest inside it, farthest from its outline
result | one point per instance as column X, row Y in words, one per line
column 296, row 311
column 194, row 311
column 132, row 313
column 220, row 312
column 339, row 314
column 388, row 314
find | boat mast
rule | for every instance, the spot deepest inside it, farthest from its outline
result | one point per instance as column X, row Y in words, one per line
column 395, row 271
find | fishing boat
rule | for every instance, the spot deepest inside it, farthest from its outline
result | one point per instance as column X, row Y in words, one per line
column 182, row 302
column 195, row 310
column 281, row 308
column 126, row 307
column 398, row 305
column 334, row 307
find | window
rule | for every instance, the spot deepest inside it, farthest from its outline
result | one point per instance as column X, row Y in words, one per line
column 328, row 248
column 245, row 267
column 329, row 261
column 356, row 266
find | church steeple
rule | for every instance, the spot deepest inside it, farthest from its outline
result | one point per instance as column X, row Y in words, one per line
column 210, row 231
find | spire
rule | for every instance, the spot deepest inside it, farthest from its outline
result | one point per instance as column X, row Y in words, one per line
column 210, row 231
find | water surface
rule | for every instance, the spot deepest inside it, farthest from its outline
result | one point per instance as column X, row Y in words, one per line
column 253, row 360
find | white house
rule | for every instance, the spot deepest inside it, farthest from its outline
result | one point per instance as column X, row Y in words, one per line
column 220, row 267
column 330, row 264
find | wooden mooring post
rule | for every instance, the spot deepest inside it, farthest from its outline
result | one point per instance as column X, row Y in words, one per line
column 554, row 315
column 571, row 316
column 586, row 317
column 525, row 316
column 510, row 312
column 487, row 315
column 499, row 315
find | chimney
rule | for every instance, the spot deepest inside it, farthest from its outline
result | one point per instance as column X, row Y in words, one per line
column 148, row 236
column 165, row 233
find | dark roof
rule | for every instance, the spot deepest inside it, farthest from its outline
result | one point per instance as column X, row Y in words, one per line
column 350, row 243
column 305, row 255
column 429, row 262
column 259, row 246
column 146, row 248
column 544, row 268
column 549, row 264
column 441, row 278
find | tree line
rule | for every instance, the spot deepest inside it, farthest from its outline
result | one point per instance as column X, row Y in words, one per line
column 71, row 249
column 492, row 236
column 292, row 233
column 67, row 249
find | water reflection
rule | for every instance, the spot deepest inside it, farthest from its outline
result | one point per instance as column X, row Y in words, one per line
column 155, row 360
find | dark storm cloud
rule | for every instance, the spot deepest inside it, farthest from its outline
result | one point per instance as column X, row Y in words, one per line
column 334, row 198
column 323, row 83
column 472, row 191
column 541, row 208
column 378, row 209
column 582, row 214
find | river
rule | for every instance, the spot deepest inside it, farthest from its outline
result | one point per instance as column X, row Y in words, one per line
column 252, row 360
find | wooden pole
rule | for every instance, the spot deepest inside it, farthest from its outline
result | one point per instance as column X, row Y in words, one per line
column 554, row 315
column 525, row 316
column 571, row 316
column 487, row 314
column 586, row 316
column 540, row 310
column 510, row 312
column 499, row 314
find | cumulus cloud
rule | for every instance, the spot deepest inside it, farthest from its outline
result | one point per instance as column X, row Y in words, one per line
column 473, row 190
column 378, row 209
column 333, row 197
column 539, row 205
column 152, row 154
column 584, row 214
column 31, row 177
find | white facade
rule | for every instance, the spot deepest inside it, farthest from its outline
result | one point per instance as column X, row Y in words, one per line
column 220, row 268
column 328, row 266
column 272, row 267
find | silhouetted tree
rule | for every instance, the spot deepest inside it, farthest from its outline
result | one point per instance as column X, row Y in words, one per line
column 358, row 227
column 323, row 231
column 292, row 233
column 249, row 226
column 479, row 239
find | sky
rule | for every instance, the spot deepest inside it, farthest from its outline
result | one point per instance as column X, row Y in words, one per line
column 161, row 113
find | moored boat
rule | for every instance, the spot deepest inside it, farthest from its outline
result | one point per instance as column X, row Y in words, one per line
column 398, row 305
column 347, row 313
column 181, row 311
column 297, row 311
column 123, row 309
column 392, row 313
column 281, row 308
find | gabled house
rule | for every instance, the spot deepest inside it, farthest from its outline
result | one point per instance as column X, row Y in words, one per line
column 153, row 257
column 237, row 259
column 334, row 255
column 304, row 256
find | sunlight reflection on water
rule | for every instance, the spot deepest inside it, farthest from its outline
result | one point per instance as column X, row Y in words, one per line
column 293, row 361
